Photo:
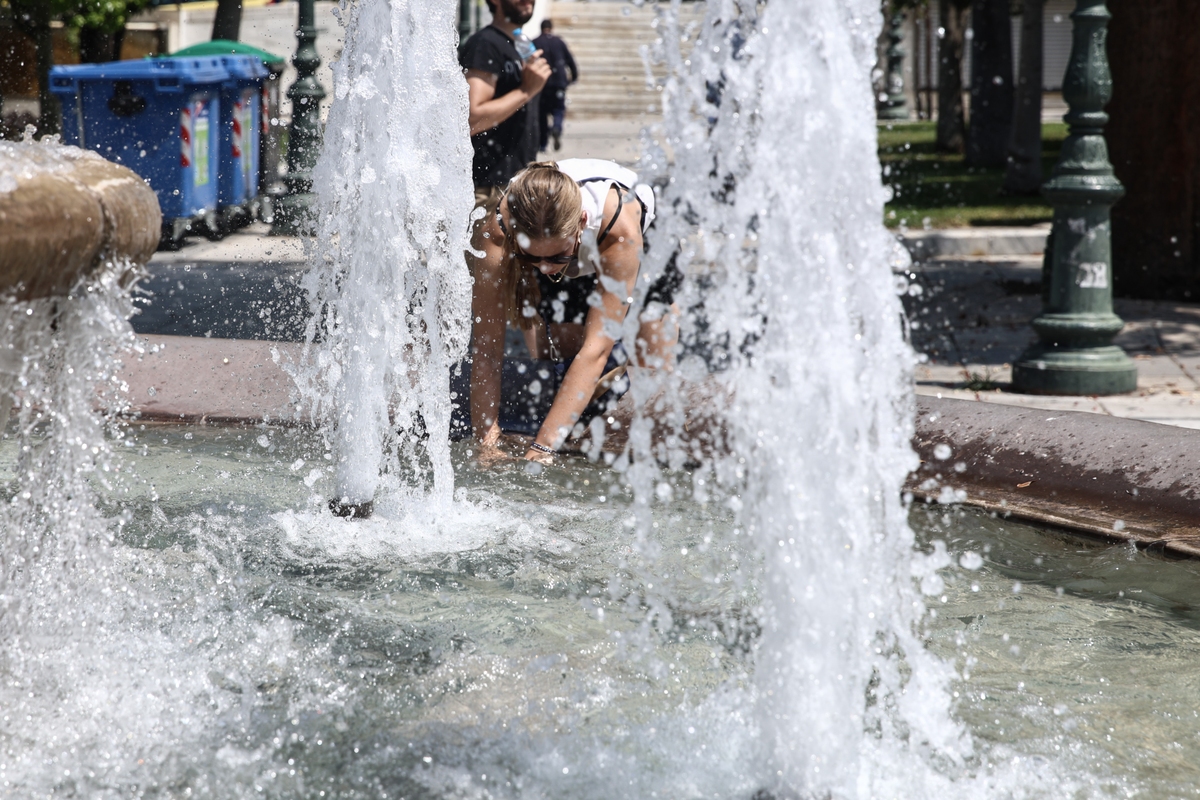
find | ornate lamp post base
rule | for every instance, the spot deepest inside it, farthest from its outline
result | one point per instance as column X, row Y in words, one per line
column 1075, row 354
column 294, row 214
column 1075, row 371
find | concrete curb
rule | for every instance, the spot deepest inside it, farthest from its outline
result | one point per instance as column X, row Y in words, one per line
column 1120, row 479
column 184, row 379
column 968, row 242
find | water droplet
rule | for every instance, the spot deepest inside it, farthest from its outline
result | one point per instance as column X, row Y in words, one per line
column 970, row 560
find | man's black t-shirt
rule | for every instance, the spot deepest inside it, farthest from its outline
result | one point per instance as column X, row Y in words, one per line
column 504, row 150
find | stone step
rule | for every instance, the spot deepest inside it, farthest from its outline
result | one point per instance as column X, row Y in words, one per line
column 616, row 94
column 622, row 66
column 617, row 112
column 959, row 242
column 608, row 40
column 623, row 112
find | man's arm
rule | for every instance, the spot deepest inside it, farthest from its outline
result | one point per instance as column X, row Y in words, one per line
column 486, row 110
column 570, row 62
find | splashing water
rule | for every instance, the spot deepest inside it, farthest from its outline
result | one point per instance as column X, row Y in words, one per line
column 390, row 289
column 777, row 200
column 58, row 365
column 797, row 306
column 57, row 353
column 746, row 628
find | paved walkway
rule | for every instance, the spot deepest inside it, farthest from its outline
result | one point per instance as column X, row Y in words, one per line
column 971, row 318
column 616, row 139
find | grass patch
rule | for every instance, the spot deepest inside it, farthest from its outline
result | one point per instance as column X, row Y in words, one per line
column 981, row 383
column 937, row 190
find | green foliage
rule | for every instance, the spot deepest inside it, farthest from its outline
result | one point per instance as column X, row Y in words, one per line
column 30, row 15
column 107, row 16
column 939, row 190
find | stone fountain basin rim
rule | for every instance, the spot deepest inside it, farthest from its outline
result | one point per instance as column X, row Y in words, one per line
column 1122, row 480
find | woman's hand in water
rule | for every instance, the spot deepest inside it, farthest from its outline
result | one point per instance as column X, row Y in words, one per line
column 490, row 456
column 490, row 451
column 501, row 449
column 539, row 457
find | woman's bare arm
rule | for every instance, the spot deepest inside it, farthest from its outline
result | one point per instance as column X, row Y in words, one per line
column 620, row 257
column 487, row 333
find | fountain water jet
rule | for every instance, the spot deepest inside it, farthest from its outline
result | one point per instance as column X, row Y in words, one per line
column 390, row 289
column 778, row 201
column 796, row 231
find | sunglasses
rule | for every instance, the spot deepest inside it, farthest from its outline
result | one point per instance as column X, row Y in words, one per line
column 532, row 260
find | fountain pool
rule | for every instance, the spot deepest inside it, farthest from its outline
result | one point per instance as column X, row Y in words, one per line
column 241, row 642
column 183, row 617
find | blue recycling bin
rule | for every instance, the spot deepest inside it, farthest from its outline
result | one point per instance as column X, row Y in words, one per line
column 241, row 115
column 159, row 117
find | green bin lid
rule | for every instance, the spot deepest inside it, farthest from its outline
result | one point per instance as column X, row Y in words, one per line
column 225, row 47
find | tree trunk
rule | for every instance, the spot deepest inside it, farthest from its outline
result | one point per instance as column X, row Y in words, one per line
column 1155, row 113
column 1023, row 174
column 50, row 120
column 98, row 46
column 950, row 125
column 991, row 84
column 228, row 21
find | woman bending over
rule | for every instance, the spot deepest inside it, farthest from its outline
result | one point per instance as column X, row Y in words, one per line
column 561, row 254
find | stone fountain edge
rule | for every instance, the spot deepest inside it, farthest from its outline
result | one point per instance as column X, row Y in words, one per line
column 1123, row 480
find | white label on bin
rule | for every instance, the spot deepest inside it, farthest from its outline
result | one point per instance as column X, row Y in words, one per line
column 247, row 134
column 185, row 137
column 200, row 136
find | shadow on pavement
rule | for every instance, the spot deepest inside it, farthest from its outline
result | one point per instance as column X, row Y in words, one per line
column 261, row 301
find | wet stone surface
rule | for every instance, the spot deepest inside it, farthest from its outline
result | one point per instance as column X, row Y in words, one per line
column 223, row 300
column 969, row 320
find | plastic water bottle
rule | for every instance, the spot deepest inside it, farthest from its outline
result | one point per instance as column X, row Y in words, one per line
column 525, row 47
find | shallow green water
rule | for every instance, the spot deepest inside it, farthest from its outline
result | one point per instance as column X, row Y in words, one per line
column 1069, row 645
column 523, row 642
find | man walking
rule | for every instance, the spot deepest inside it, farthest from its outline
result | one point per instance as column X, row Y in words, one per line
column 554, row 98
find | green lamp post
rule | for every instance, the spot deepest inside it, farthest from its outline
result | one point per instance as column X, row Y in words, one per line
column 895, row 105
column 293, row 211
column 464, row 20
column 1075, row 354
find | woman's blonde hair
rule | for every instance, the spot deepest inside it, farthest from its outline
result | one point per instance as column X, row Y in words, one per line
column 543, row 203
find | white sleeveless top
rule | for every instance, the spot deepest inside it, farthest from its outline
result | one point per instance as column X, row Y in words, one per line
column 595, row 177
